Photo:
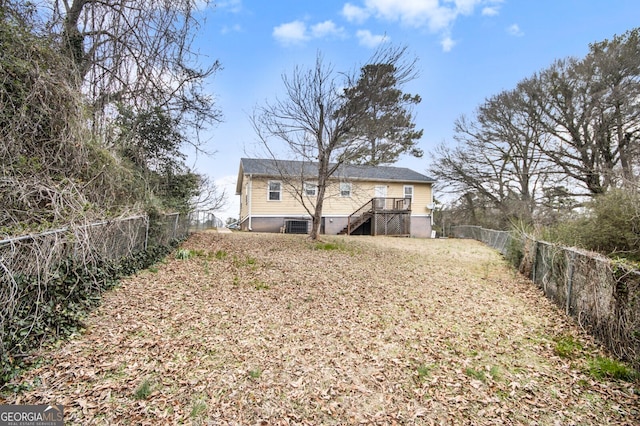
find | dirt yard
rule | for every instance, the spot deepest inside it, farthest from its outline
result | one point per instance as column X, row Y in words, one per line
column 278, row 330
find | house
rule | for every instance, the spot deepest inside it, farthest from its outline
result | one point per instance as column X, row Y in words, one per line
column 372, row 200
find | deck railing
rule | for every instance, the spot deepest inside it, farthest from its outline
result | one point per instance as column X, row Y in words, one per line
column 374, row 205
column 391, row 204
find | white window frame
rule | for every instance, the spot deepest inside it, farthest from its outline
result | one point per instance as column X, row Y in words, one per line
column 310, row 189
column 347, row 191
column 410, row 197
column 269, row 190
column 404, row 191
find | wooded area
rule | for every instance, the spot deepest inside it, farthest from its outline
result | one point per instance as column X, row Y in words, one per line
column 553, row 149
column 96, row 105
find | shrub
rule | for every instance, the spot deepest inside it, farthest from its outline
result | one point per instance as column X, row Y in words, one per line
column 610, row 226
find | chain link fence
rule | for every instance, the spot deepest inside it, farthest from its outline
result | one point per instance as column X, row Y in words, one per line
column 201, row 220
column 601, row 294
column 498, row 240
column 46, row 278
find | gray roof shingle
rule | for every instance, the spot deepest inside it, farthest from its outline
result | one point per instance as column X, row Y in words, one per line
column 270, row 167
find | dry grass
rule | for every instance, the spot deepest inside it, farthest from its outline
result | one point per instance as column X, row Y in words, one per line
column 277, row 330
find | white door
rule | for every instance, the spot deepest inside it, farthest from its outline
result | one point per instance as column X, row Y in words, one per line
column 381, row 194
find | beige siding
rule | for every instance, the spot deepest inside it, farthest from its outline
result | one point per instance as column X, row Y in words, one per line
column 261, row 205
column 364, row 191
column 334, row 205
column 244, row 207
column 422, row 197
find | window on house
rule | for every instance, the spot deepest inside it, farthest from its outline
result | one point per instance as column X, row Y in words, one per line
column 275, row 191
column 345, row 189
column 408, row 192
column 310, row 189
column 408, row 196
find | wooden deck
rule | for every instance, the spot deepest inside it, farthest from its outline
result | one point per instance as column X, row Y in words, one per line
column 381, row 216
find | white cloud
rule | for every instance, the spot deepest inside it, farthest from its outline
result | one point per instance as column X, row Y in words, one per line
column 354, row 13
column 466, row 7
column 435, row 15
column 291, row 33
column 326, row 29
column 415, row 13
column 447, row 43
column 297, row 32
column 515, row 30
column 370, row 40
column 490, row 11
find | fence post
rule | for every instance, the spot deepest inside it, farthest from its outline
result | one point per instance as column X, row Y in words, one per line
column 572, row 258
column 175, row 225
column 535, row 259
column 146, row 232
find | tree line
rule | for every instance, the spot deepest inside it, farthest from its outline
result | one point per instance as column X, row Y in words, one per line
column 554, row 149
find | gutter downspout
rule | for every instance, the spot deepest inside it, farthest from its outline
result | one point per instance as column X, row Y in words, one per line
column 249, row 193
column 433, row 209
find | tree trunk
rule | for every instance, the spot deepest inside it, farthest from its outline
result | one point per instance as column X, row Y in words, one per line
column 73, row 40
column 317, row 219
column 323, row 172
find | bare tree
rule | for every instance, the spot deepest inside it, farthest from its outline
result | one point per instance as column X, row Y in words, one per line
column 591, row 108
column 498, row 157
column 617, row 91
column 315, row 127
column 136, row 52
column 306, row 120
column 135, row 56
column 53, row 171
column 564, row 135
column 564, row 96
column 210, row 196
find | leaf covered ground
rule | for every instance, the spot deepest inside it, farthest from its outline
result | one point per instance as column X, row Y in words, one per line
column 271, row 329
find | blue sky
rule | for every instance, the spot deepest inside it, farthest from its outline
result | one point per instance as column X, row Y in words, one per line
column 467, row 50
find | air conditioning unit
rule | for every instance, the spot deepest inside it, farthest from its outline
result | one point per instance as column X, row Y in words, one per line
column 296, row 226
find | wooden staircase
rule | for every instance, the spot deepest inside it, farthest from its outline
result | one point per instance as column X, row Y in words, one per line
column 358, row 218
column 376, row 207
column 356, row 223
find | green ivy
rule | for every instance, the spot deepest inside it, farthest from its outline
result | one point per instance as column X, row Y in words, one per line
column 54, row 310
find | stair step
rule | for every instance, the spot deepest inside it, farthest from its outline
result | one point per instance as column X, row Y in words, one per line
column 361, row 220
